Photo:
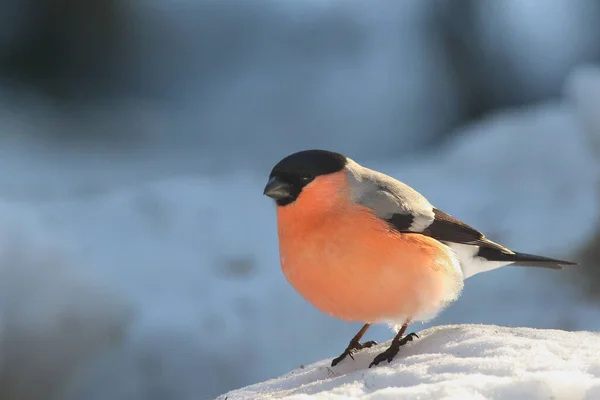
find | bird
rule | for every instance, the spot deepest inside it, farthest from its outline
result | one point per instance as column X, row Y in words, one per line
column 364, row 247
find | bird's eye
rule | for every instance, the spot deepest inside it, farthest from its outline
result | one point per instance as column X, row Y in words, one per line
column 307, row 179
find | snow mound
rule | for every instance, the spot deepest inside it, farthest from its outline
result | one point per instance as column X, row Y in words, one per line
column 454, row 362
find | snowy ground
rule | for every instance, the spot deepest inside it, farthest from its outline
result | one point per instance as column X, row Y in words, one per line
column 466, row 362
column 57, row 311
column 202, row 303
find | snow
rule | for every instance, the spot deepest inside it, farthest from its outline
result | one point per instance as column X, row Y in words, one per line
column 55, row 313
column 454, row 362
column 192, row 260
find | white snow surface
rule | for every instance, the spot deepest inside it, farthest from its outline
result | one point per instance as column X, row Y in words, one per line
column 466, row 362
column 207, row 308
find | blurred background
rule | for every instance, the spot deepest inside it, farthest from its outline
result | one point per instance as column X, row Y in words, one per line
column 138, row 257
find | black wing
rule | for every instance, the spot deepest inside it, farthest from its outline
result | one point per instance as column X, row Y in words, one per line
column 446, row 228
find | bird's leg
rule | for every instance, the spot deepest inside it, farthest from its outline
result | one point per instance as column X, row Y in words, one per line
column 354, row 345
column 397, row 342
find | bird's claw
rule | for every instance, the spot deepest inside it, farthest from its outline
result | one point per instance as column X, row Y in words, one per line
column 391, row 351
column 368, row 344
column 388, row 355
column 352, row 347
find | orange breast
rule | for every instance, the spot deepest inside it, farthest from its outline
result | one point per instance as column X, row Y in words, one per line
column 349, row 264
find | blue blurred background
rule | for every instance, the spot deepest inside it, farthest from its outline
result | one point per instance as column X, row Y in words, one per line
column 138, row 257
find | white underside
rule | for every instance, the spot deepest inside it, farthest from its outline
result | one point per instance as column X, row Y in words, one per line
column 470, row 263
column 467, row 264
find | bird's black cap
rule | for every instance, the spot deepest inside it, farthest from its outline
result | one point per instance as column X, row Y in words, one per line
column 289, row 176
column 309, row 163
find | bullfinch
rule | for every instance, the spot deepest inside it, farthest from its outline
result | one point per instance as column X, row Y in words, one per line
column 361, row 246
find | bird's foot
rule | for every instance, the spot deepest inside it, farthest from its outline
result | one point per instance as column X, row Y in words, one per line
column 352, row 347
column 391, row 351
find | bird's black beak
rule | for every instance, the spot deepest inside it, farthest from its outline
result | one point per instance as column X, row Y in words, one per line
column 278, row 189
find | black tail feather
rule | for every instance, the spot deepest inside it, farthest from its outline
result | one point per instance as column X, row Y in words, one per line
column 522, row 259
